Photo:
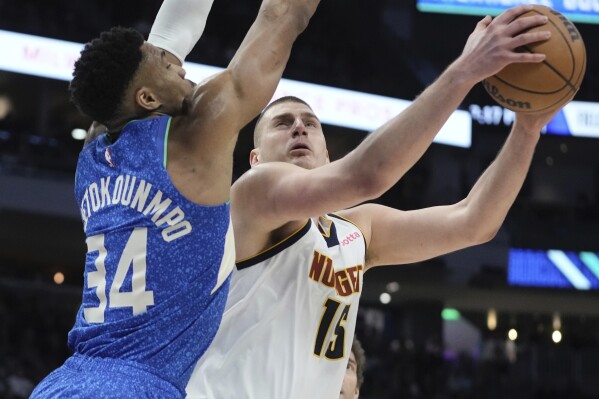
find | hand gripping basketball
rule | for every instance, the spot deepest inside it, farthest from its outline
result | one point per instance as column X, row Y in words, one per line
column 550, row 84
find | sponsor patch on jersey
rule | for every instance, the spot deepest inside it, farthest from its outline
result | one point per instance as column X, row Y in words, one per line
column 351, row 237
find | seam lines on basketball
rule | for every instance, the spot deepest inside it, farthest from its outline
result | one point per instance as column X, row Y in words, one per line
column 558, row 73
column 577, row 84
column 570, row 49
column 566, row 81
column 575, row 81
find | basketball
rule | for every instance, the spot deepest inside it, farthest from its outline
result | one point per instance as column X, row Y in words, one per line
column 538, row 87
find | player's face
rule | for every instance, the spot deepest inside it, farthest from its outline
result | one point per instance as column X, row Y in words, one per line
column 290, row 132
column 349, row 388
column 164, row 81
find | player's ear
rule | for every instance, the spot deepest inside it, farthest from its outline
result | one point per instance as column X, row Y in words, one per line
column 146, row 99
column 357, row 393
column 255, row 157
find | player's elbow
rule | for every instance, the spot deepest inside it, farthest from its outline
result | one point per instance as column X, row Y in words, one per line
column 369, row 186
column 480, row 231
column 474, row 228
column 484, row 235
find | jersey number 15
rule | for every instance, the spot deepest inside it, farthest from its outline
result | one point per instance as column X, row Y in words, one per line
column 336, row 347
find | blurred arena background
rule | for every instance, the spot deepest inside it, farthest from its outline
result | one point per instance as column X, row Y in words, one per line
column 515, row 318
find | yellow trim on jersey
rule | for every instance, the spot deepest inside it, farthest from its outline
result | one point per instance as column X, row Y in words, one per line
column 275, row 245
column 325, row 343
column 327, row 233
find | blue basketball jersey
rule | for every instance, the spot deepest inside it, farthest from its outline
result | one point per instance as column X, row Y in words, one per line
column 157, row 266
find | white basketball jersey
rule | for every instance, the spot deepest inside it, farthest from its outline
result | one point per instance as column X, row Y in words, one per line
column 289, row 322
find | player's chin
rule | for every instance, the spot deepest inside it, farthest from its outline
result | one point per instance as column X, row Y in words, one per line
column 305, row 162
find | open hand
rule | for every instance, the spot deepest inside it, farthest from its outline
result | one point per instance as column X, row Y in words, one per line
column 494, row 43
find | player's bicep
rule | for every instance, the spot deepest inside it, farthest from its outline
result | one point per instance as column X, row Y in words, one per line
column 211, row 121
column 281, row 192
column 400, row 237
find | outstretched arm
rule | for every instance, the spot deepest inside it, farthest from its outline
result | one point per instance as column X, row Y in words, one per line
column 279, row 193
column 398, row 237
column 201, row 143
column 252, row 76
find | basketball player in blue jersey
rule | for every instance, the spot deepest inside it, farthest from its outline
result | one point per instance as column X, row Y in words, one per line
column 294, row 294
column 153, row 192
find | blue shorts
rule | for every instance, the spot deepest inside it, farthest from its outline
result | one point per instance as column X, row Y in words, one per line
column 89, row 377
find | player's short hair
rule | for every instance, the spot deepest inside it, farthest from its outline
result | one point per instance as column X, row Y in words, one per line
column 360, row 356
column 104, row 71
column 286, row 99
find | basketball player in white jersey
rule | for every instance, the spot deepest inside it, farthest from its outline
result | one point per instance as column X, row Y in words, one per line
column 291, row 312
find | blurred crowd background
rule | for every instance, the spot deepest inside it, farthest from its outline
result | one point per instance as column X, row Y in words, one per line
column 427, row 328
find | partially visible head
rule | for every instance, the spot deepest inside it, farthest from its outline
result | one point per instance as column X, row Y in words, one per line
column 354, row 372
column 120, row 77
column 287, row 130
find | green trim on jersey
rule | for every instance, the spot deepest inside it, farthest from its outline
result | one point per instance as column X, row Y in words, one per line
column 168, row 128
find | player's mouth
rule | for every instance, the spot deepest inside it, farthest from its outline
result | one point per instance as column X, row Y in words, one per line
column 299, row 148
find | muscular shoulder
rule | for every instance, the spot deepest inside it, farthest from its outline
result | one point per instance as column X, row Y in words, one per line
column 255, row 197
column 208, row 107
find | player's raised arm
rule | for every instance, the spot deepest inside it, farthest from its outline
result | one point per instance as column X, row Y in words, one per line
column 202, row 140
column 398, row 237
column 250, row 79
column 281, row 192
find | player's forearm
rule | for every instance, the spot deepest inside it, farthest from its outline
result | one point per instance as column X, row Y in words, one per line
column 490, row 47
column 289, row 17
column 258, row 65
column 179, row 25
column 389, row 152
column 297, row 12
column 496, row 190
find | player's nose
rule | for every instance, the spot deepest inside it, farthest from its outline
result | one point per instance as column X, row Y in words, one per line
column 299, row 128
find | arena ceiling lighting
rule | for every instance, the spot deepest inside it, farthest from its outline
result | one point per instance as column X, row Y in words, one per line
column 54, row 59
column 577, row 10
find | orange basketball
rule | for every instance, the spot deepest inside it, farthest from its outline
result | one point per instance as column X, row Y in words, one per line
column 536, row 87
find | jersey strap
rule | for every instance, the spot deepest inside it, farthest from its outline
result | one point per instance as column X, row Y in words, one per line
column 275, row 249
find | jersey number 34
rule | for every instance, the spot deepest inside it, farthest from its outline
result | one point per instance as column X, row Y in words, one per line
column 133, row 256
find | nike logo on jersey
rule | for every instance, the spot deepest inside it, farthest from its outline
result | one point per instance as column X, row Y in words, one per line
column 345, row 281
